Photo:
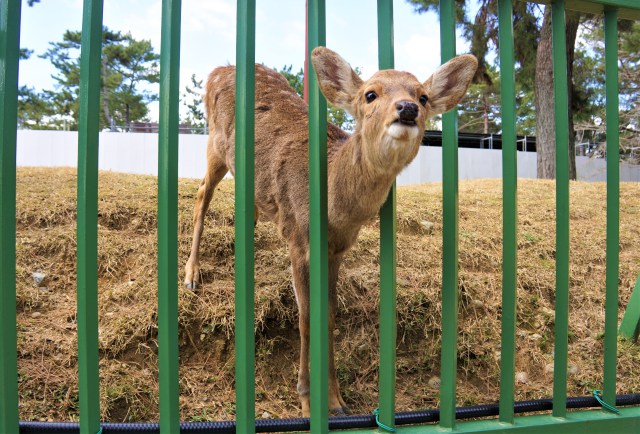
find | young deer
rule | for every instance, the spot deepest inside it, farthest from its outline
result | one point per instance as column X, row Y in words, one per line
column 390, row 111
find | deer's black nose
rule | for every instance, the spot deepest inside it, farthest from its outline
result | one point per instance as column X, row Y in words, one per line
column 407, row 110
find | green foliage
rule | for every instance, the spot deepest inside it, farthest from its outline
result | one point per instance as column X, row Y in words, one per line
column 422, row 6
column 335, row 115
column 525, row 110
column 482, row 33
column 591, row 123
column 340, row 117
column 25, row 53
column 480, row 110
column 126, row 64
column 296, row 80
column 192, row 99
column 481, row 107
column 34, row 110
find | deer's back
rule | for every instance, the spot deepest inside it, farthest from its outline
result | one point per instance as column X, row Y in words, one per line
column 281, row 143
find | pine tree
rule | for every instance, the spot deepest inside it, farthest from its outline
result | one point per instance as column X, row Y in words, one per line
column 126, row 65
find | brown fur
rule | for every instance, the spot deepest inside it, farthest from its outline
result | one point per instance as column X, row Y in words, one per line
column 361, row 166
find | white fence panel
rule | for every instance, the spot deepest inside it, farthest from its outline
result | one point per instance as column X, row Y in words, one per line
column 135, row 153
column 138, row 153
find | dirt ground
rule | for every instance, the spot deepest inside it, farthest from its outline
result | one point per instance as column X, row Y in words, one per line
column 46, row 243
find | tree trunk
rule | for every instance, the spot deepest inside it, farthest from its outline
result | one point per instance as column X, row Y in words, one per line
column 105, row 96
column 127, row 120
column 485, row 127
column 545, row 119
column 573, row 20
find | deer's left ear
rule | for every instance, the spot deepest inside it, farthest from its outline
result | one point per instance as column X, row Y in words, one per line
column 448, row 84
column 338, row 82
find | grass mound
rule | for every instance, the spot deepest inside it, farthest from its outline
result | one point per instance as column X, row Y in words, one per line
column 46, row 243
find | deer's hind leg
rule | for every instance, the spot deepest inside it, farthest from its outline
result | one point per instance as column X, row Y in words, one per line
column 216, row 169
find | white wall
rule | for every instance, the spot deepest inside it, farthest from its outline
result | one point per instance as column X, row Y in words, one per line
column 472, row 164
column 595, row 169
column 120, row 152
column 138, row 153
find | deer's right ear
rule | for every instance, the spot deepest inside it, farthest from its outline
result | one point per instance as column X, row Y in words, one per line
column 448, row 84
column 338, row 82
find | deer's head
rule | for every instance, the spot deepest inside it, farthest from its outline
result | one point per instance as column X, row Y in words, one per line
column 392, row 107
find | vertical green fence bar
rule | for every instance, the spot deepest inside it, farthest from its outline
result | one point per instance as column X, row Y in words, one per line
column 561, row 111
column 244, row 203
column 448, row 363
column 613, row 205
column 387, row 367
column 9, row 49
column 87, row 260
column 168, row 218
column 509, row 210
column 318, row 283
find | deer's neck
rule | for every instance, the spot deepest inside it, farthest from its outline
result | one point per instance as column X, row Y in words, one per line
column 361, row 173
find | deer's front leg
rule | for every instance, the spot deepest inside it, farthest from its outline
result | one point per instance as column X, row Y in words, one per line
column 216, row 169
column 300, row 271
column 336, row 403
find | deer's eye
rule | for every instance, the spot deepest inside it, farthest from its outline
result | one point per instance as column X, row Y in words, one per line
column 371, row 96
column 423, row 100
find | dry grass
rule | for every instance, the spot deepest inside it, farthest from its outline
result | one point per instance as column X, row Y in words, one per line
column 127, row 297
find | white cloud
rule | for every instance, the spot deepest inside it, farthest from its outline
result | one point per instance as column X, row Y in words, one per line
column 419, row 54
column 142, row 18
column 211, row 16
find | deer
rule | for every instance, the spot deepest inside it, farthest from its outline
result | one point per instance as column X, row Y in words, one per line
column 390, row 112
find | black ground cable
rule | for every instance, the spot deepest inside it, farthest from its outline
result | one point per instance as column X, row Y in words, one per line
column 340, row 422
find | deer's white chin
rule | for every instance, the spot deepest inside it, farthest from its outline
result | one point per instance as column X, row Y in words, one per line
column 399, row 131
column 399, row 137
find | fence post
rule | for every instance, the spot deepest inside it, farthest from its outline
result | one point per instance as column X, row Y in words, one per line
column 388, row 320
column 561, row 108
column 509, row 211
column 318, row 266
column 87, row 258
column 613, row 205
column 168, row 218
column 244, row 227
column 448, row 363
column 9, row 53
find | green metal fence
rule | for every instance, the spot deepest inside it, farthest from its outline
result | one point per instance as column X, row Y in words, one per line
column 628, row 420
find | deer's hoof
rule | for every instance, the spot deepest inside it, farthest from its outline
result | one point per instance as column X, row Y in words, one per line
column 340, row 411
column 191, row 285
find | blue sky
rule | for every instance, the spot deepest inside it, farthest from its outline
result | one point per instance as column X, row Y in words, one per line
column 208, row 34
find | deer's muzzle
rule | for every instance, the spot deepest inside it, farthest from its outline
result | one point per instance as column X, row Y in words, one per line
column 407, row 112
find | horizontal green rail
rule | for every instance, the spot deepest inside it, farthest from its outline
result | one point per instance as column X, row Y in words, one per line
column 627, row 421
column 627, row 9
column 578, row 422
